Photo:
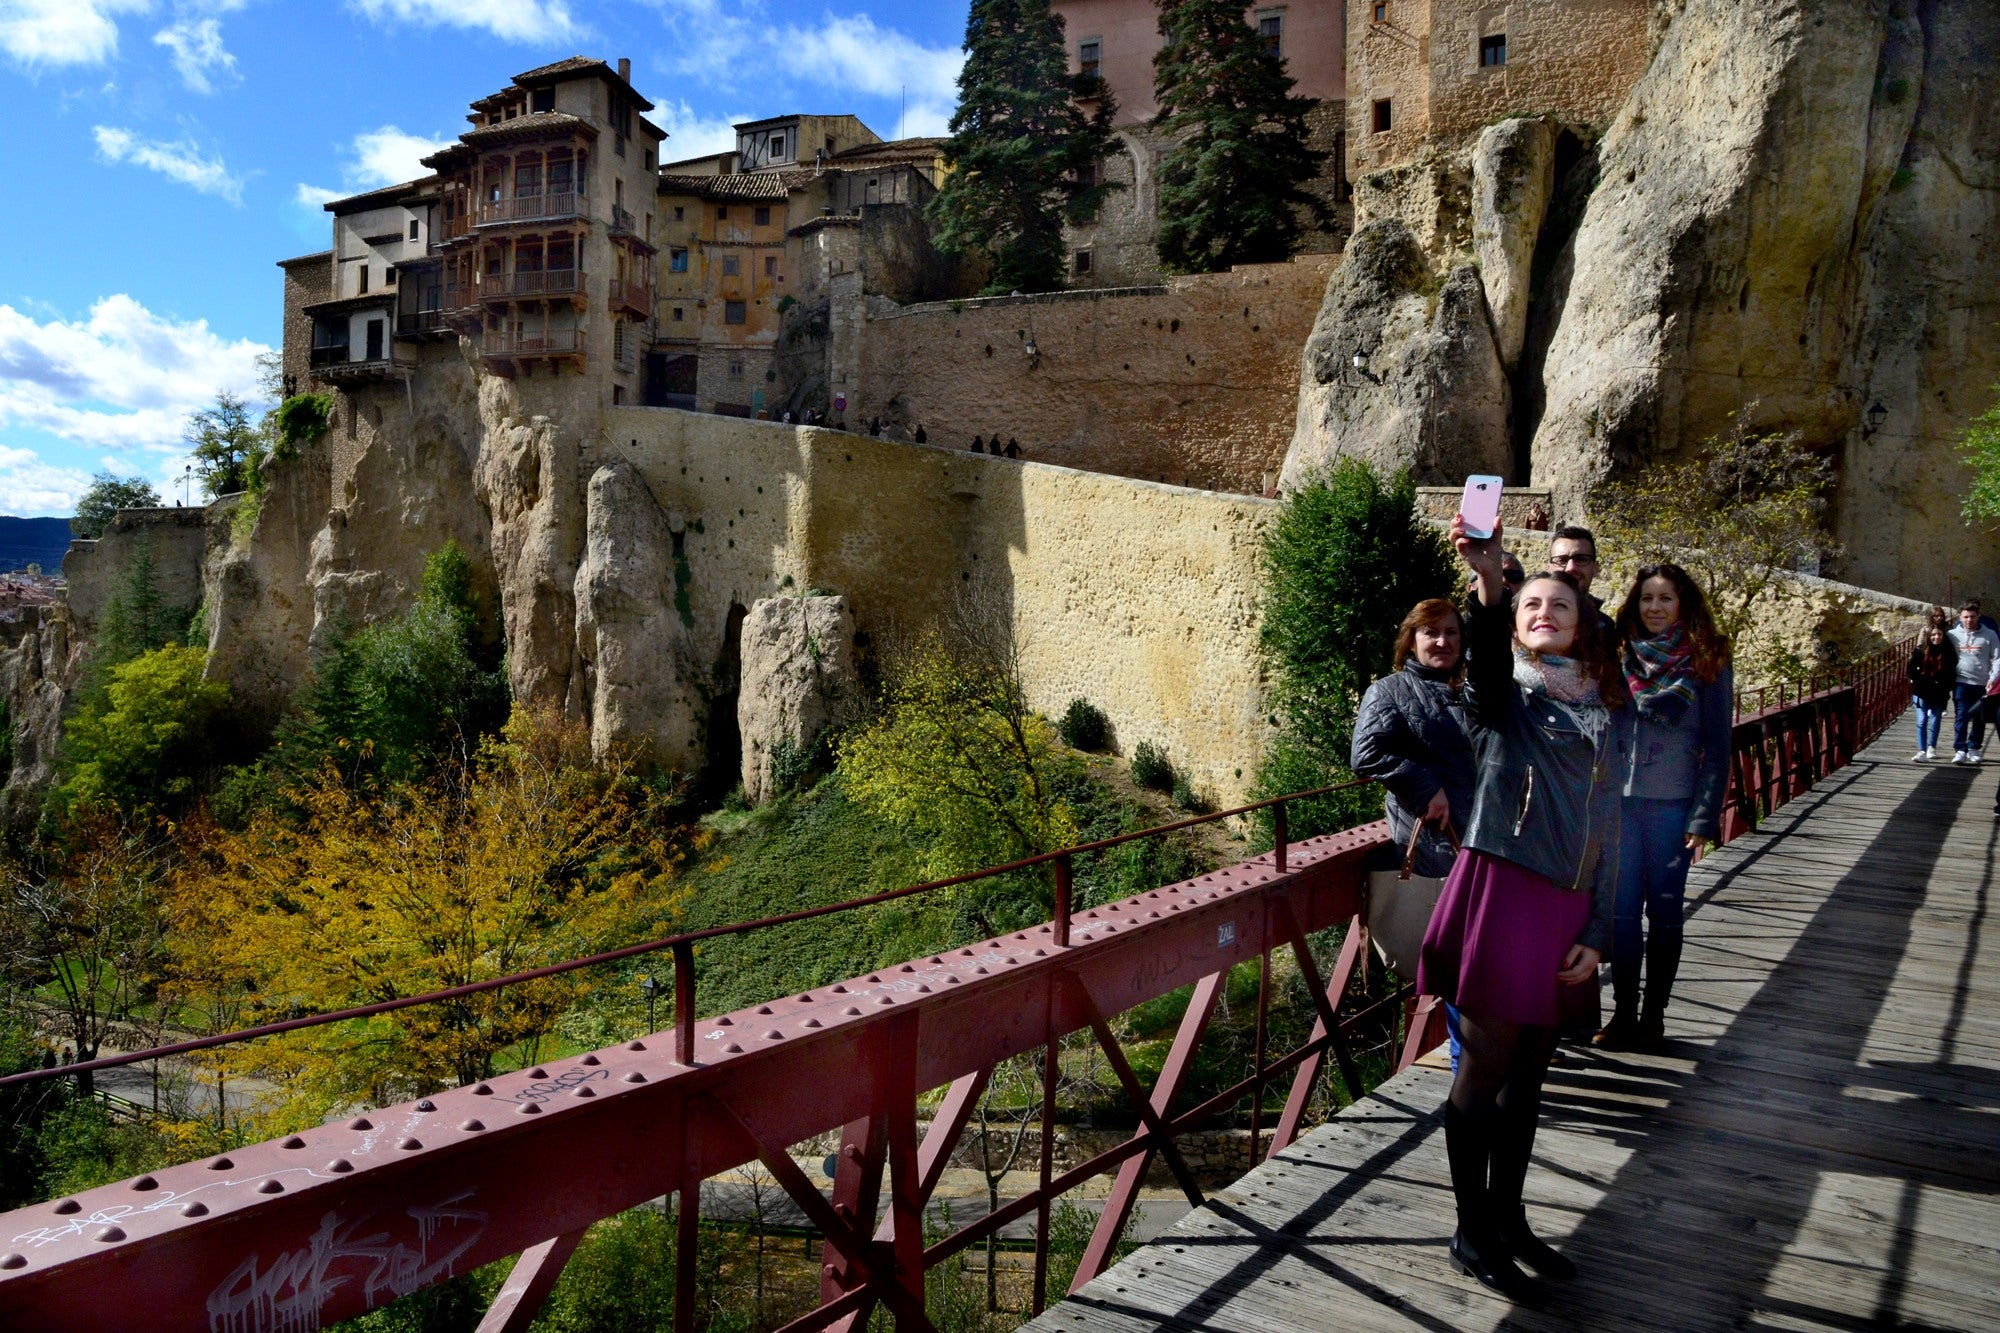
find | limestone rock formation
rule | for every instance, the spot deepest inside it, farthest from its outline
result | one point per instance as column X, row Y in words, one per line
column 798, row 678
column 1513, row 175
column 635, row 681
column 37, row 666
column 1798, row 207
column 260, row 599
column 1433, row 398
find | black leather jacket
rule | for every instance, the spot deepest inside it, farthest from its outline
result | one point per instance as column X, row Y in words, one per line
column 1410, row 736
column 1546, row 797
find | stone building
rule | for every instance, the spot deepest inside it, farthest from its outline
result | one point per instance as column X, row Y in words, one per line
column 1117, row 39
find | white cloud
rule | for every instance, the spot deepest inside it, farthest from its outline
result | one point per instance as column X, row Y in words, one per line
column 35, row 487
column 314, row 197
column 854, row 53
column 198, row 52
column 124, row 379
column 63, row 32
column 513, row 20
column 181, row 160
column 691, row 135
column 385, row 156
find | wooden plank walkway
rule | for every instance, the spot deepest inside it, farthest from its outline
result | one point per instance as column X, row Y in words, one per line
column 1818, row 1147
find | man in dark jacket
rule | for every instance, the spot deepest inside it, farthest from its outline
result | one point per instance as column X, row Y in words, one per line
column 1573, row 551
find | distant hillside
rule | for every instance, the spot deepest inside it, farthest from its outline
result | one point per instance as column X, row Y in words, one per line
column 33, row 541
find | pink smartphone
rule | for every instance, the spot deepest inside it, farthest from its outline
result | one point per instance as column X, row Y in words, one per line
column 1481, row 507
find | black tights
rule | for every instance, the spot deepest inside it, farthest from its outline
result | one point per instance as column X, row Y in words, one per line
column 1501, row 1066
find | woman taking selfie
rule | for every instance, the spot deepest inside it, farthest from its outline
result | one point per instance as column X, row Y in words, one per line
column 1526, row 913
column 1409, row 737
column 1684, row 702
column 1933, row 667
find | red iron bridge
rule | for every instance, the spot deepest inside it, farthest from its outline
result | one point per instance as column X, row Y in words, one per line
column 1817, row 1147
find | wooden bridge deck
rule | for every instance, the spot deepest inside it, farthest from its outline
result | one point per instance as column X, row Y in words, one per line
column 1819, row 1146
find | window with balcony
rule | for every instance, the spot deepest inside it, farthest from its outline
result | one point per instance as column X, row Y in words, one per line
column 677, row 260
column 1089, row 57
column 527, row 180
column 561, row 175
column 1382, row 120
column 1493, row 51
column 734, row 312
column 762, row 217
column 1271, row 32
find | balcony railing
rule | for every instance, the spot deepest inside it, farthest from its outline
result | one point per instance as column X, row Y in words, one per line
column 449, row 229
column 531, row 207
column 622, row 220
column 329, row 356
column 556, row 342
column 633, row 296
column 539, row 282
column 412, row 323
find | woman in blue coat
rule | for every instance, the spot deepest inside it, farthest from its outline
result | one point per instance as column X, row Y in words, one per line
column 1677, row 667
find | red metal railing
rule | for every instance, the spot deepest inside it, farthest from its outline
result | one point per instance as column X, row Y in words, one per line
column 338, row 1220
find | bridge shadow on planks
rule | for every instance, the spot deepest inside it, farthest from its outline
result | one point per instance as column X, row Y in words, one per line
column 1818, row 1149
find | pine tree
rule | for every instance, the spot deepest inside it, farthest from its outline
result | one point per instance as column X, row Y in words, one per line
column 1230, row 181
column 1024, row 154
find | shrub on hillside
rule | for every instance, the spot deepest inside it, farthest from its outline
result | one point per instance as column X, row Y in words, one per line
column 141, row 741
column 1150, row 767
column 1084, row 726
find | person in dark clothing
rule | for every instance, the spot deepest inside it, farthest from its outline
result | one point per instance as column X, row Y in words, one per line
column 1932, row 670
column 1573, row 551
column 1410, row 736
column 978, row 444
column 1013, row 448
column 921, row 437
column 1526, row 911
column 1684, row 702
column 1511, row 572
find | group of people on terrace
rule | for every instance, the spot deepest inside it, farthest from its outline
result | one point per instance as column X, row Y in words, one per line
column 1558, row 765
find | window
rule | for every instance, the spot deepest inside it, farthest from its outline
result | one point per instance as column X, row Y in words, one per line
column 762, row 217
column 618, row 341
column 618, row 194
column 677, row 260
column 527, row 180
column 413, row 229
column 1271, row 32
column 680, row 213
column 1089, row 57
column 621, row 116
column 722, row 212
column 770, row 266
column 1383, row 119
column 777, row 148
column 733, row 312
column 1086, row 175
column 1382, row 11
column 617, row 394
column 1493, row 51
column 542, row 99
column 363, row 291
column 732, row 265
column 736, row 370
column 680, row 314
column 1082, row 261
column 389, row 275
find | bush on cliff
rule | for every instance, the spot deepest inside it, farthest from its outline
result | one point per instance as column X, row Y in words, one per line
column 142, row 742
column 1346, row 559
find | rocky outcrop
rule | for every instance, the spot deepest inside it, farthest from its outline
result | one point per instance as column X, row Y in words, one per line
column 1513, row 175
column 635, row 678
column 260, row 597
column 798, row 679
column 1795, row 208
column 37, row 667
column 1433, row 397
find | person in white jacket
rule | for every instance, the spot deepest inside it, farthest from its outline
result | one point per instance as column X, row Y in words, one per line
column 1978, row 656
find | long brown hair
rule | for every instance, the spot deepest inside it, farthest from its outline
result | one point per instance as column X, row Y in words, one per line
column 1424, row 615
column 1711, row 646
column 1589, row 651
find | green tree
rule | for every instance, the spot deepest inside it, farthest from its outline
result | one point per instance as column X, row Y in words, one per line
column 226, row 444
column 1230, row 179
column 105, row 496
column 136, row 617
column 1345, row 561
column 142, row 741
column 1979, row 446
column 1024, row 154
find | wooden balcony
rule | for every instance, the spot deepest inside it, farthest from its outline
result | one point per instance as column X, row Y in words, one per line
column 335, row 363
column 420, row 323
column 563, row 282
column 531, row 208
column 505, row 352
column 633, row 297
column 448, row 230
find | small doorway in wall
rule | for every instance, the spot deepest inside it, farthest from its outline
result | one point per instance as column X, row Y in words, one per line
column 374, row 340
column 724, row 742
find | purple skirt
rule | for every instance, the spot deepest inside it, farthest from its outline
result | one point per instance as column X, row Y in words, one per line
column 1497, row 938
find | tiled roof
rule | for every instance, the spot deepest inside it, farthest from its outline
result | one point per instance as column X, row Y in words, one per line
column 896, row 150
column 317, row 257
column 388, row 194
column 528, row 126
column 582, row 65
column 766, row 185
column 825, row 220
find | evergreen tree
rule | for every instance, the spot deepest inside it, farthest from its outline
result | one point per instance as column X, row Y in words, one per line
column 1230, row 181
column 107, row 494
column 1024, row 154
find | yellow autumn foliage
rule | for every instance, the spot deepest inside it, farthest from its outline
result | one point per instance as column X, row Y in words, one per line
column 527, row 854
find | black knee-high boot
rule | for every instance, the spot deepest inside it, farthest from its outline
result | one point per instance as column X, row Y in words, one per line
column 1476, row 1248
column 1513, row 1145
column 1663, row 963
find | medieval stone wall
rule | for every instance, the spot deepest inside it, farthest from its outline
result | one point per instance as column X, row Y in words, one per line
column 1190, row 383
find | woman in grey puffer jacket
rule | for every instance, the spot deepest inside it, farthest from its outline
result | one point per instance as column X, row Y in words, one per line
column 1410, row 736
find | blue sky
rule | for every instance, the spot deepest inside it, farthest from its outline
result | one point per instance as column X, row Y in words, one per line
column 161, row 155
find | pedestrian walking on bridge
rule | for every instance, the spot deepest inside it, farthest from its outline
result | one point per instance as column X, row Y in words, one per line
column 1932, row 670
column 1525, row 916
column 1978, row 655
column 1677, row 665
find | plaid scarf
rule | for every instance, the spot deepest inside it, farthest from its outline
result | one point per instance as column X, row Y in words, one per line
column 1660, row 671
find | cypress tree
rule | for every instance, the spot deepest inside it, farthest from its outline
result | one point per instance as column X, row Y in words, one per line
column 1023, row 153
column 1230, row 179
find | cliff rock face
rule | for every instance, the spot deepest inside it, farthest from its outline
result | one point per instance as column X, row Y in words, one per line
column 798, row 678
column 1513, row 175
column 1798, row 212
column 260, row 597
column 37, row 665
column 1434, row 397
column 632, row 649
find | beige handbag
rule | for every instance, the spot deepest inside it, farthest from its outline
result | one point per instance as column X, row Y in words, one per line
column 1400, row 906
